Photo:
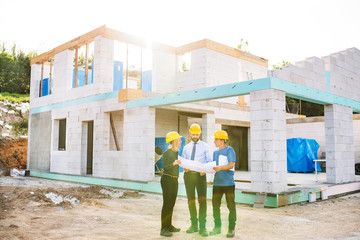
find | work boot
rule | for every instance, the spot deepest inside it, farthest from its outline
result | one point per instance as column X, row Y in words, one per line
column 192, row 229
column 164, row 232
column 203, row 232
column 230, row 233
column 173, row 229
column 215, row 231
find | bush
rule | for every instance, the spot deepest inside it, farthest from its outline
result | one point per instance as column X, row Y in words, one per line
column 14, row 97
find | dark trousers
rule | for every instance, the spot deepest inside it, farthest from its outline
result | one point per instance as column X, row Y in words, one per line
column 169, row 187
column 218, row 192
column 195, row 181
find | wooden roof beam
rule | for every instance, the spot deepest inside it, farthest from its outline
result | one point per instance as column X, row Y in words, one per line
column 76, row 42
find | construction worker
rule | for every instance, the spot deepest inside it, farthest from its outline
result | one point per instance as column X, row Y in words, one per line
column 199, row 151
column 224, row 182
column 169, row 183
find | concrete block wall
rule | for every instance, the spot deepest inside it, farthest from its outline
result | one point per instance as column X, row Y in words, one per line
column 250, row 71
column 166, row 121
column 70, row 160
column 197, row 75
column 39, row 144
column 184, row 126
column 63, row 72
column 268, row 141
column 139, row 133
column 209, row 127
column 339, row 139
column 135, row 161
column 104, row 64
column 210, row 68
column 345, row 73
column 221, row 69
column 34, row 81
column 164, row 71
column 310, row 73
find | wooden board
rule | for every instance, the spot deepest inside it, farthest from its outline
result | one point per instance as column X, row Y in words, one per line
column 129, row 94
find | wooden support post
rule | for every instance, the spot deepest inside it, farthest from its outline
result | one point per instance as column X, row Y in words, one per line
column 76, row 66
column 114, row 133
column 86, row 63
column 50, row 80
column 141, row 61
column 127, row 64
column 41, row 80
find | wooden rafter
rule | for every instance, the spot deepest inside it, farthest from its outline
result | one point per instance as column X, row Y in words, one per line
column 50, row 77
column 41, row 80
column 86, row 63
column 76, row 66
column 142, row 42
column 77, row 42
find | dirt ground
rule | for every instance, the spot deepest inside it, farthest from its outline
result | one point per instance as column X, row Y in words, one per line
column 13, row 154
column 26, row 213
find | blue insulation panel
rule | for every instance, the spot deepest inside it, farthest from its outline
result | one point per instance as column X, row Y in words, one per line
column 118, row 75
column 45, row 89
column 146, row 81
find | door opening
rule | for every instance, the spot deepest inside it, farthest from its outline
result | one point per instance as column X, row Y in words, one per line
column 90, row 142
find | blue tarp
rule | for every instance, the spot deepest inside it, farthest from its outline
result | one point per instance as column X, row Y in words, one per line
column 146, row 80
column 81, row 77
column 45, row 89
column 161, row 142
column 118, row 75
column 300, row 155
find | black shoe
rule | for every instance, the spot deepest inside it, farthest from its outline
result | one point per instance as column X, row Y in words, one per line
column 231, row 233
column 203, row 233
column 192, row 229
column 165, row 233
column 173, row 229
column 215, row 231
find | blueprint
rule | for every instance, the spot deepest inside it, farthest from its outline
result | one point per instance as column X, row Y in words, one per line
column 196, row 166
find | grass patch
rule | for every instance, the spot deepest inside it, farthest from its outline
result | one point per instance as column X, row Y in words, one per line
column 15, row 97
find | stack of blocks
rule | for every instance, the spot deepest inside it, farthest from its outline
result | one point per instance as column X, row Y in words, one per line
column 310, row 73
column 268, row 141
column 345, row 73
column 104, row 64
column 339, row 139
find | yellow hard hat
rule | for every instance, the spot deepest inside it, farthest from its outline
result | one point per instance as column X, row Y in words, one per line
column 195, row 128
column 221, row 134
column 171, row 136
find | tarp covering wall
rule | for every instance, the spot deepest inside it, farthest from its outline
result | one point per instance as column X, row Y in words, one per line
column 300, row 155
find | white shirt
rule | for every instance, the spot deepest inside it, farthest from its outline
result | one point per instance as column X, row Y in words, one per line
column 202, row 152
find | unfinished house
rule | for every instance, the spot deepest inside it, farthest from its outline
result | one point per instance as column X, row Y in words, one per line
column 102, row 102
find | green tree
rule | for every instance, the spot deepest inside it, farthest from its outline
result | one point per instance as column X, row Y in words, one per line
column 15, row 70
column 243, row 45
column 284, row 63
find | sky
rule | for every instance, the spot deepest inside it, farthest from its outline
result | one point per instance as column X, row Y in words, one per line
column 277, row 30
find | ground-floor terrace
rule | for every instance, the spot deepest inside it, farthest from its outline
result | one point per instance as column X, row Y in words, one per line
column 302, row 187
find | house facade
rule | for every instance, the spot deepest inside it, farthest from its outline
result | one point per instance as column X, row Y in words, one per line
column 104, row 118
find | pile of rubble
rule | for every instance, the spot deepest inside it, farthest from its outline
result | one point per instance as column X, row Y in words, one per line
column 10, row 114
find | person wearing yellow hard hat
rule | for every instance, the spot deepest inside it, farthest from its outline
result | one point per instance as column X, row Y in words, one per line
column 198, row 151
column 169, row 183
column 223, row 182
